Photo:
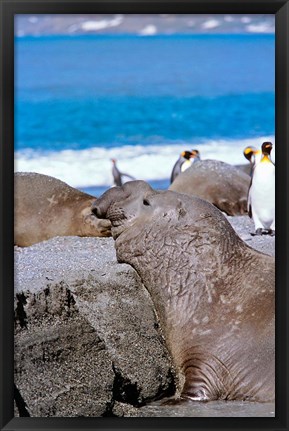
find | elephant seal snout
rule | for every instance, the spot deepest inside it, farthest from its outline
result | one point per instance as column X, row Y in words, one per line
column 109, row 205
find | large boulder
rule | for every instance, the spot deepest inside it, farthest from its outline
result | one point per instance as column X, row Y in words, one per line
column 87, row 340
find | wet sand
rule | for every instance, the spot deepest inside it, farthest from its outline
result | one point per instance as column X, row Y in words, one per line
column 211, row 409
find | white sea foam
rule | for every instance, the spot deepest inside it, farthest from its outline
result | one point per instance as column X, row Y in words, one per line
column 92, row 167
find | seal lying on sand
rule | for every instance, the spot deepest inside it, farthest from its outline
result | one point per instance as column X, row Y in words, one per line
column 213, row 294
column 224, row 185
column 246, row 168
column 45, row 207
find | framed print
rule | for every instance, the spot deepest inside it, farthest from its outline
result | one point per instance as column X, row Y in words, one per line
column 138, row 203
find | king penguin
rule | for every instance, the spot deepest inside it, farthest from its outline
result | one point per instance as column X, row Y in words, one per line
column 181, row 164
column 261, row 195
column 196, row 156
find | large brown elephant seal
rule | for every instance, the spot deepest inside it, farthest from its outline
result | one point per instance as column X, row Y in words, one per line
column 224, row 185
column 45, row 207
column 213, row 294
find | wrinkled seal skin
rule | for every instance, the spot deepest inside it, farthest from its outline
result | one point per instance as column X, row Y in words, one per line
column 213, row 294
column 45, row 207
column 224, row 185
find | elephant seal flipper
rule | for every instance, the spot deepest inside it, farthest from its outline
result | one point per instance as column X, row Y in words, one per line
column 214, row 295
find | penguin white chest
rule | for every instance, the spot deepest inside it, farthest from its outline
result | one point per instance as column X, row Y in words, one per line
column 186, row 165
column 262, row 195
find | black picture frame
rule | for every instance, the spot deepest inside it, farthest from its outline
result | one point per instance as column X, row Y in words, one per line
column 8, row 9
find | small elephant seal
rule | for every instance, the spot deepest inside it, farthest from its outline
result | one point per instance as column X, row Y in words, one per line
column 45, row 207
column 213, row 294
column 224, row 185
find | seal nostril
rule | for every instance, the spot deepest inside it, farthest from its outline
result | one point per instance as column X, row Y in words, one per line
column 96, row 211
column 146, row 202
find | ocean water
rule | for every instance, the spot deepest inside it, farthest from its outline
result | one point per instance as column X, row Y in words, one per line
column 82, row 100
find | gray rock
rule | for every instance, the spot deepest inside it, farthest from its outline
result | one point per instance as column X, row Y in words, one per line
column 244, row 226
column 87, row 341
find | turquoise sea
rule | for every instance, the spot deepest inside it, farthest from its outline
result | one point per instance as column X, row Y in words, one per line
column 81, row 100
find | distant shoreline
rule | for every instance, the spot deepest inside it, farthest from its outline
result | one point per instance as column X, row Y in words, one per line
column 139, row 36
column 144, row 24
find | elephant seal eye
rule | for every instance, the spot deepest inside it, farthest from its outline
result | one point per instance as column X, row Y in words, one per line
column 146, row 202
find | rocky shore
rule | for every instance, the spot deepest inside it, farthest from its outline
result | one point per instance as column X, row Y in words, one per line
column 87, row 339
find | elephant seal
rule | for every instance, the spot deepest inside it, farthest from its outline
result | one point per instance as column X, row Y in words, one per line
column 213, row 294
column 45, row 207
column 222, row 184
column 246, row 168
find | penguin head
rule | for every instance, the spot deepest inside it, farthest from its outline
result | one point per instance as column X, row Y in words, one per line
column 266, row 148
column 113, row 161
column 195, row 154
column 249, row 152
column 186, row 154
